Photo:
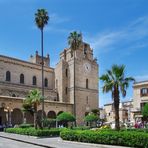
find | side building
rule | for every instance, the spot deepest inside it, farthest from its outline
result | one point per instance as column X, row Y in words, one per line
column 140, row 98
column 125, row 114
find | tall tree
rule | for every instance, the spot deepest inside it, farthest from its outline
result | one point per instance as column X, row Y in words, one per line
column 145, row 112
column 115, row 82
column 32, row 102
column 41, row 19
column 74, row 41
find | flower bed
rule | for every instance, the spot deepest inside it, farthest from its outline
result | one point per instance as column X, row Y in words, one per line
column 122, row 138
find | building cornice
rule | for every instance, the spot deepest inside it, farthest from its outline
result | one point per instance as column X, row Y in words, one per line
column 7, row 59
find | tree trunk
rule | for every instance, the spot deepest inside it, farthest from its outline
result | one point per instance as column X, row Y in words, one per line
column 116, row 108
column 42, row 76
column 35, row 116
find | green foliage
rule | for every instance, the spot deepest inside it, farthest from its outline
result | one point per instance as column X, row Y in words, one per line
column 95, row 111
column 115, row 82
column 145, row 110
column 65, row 117
column 41, row 18
column 25, row 125
column 32, row 100
column 91, row 118
column 81, row 128
column 34, row 132
column 122, row 138
column 75, row 40
column 49, row 122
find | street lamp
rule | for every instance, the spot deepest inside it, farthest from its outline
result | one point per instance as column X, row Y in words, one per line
column 8, row 111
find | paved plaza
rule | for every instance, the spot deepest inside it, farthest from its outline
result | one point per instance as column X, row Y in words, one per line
column 7, row 143
column 17, row 141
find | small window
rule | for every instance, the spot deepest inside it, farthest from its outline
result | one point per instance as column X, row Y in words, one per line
column 66, row 72
column 8, row 76
column 56, row 84
column 66, row 90
column 87, row 100
column 13, row 95
column 144, row 91
column 71, row 53
column 22, row 78
column 65, row 54
column 34, row 80
column 86, row 83
column 46, row 82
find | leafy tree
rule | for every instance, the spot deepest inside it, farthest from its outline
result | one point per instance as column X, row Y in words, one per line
column 145, row 111
column 115, row 82
column 32, row 102
column 41, row 19
column 74, row 41
column 96, row 112
column 90, row 118
column 65, row 117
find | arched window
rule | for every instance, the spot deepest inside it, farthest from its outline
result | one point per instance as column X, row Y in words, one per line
column 34, row 80
column 8, row 76
column 13, row 95
column 86, row 83
column 66, row 72
column 22, row 78
column 46, row 82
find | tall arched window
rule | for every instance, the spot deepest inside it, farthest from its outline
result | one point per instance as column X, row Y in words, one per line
column 22, row 78
column 34, row 81
column 46, row 82
column 8, row 76
column 66, row 72
column 86, row 83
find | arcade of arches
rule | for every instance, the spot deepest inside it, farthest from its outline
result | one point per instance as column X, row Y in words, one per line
column 14, row 115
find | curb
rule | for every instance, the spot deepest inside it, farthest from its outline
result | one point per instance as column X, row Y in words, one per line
column 37, row 144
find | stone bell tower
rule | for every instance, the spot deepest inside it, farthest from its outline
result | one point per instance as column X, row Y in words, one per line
column 86, row 80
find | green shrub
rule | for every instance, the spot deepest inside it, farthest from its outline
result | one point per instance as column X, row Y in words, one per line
column 34, row 132
column 65, row 117
column 122, row 138
column 81, row 128
column 25, row 125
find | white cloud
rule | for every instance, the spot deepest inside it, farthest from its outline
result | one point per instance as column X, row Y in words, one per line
column 132, row 37
column 56, row 19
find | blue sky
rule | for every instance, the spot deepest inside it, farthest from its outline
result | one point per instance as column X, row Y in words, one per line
column 117, row 31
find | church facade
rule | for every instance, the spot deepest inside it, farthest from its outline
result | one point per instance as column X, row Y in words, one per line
column 17, row 77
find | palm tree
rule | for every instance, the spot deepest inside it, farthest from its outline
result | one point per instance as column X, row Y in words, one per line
column 74, row 41
column 41, row 19
column 33, row 100
column 116, row 83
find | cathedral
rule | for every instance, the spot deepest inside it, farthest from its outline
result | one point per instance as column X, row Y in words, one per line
column 62, row 89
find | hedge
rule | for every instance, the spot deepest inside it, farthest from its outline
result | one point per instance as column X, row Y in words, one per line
column 34, row 132
column 24, row 125
column 121, row 138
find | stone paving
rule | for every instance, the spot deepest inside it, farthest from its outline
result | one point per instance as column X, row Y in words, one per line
column 55, row 142
column 7, row 143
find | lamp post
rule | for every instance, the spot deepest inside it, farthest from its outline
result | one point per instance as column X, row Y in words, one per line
column 8, row 111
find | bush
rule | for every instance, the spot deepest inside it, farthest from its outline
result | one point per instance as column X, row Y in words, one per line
column 25, row 125
column 122, row 138
column 81, row 128
column 65, row 117
column 34, row 132
column 49, row 122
